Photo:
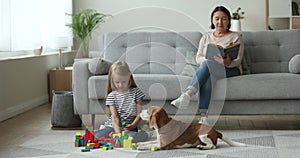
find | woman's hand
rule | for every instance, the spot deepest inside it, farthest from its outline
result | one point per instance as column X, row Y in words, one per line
column 226, row 61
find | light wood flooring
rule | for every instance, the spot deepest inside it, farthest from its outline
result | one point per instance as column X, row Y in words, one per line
column 260, row 122
column 39, row 118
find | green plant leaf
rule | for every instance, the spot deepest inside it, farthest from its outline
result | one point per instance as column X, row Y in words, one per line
column 85, row 22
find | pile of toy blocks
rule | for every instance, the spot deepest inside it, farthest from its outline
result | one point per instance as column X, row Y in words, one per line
column 121, row 140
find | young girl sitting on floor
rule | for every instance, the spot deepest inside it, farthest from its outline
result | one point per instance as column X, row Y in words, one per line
column 124, row 100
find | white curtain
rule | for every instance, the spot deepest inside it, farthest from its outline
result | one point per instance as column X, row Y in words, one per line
column 29, row 24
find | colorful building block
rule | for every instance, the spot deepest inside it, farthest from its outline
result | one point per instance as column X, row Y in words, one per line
column 153, row 148
column 123, row 124
column 89, row 133
column 127, row 143
column 82, row 141
column 77, row 144
column 133, row 146
column 85, row 150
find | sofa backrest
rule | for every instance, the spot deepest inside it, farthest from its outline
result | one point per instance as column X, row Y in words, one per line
column 152, row 52
column 270, row 51
column 169, row 52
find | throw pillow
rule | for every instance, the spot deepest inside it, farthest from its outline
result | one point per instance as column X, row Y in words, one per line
column 188, row 70
column 190, row 58
column 294, row 64
column 246, row 63
column 99, row 66
column 191, row 64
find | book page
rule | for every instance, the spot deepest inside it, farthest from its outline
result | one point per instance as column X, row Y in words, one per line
column 214, row 50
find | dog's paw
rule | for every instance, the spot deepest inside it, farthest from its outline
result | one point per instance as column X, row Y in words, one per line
column 147, row 145
column 206, row 147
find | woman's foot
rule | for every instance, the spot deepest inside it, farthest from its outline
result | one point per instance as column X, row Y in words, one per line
column 204, row 120
column 182, row 102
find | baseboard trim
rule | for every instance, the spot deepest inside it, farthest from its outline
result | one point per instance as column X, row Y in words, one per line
column 18, row 109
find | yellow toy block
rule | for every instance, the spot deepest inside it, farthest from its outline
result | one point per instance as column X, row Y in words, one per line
column 92, row 144
column 104, row 148
column 127, row 142
column 78, row 134
column 153, row 148
column 119, row 135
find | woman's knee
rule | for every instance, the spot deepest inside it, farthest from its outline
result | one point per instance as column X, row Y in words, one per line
column 203, row 69
column 204, row 64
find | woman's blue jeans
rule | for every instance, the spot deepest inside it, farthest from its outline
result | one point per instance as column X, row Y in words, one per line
column 205, row 78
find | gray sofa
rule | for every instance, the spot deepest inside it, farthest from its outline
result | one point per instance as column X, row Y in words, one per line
column 163, row 63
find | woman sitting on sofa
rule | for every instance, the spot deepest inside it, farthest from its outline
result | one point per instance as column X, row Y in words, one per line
column 216, row 68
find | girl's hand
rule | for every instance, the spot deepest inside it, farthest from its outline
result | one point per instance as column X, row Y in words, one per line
column 129, row 127
column 112, row 133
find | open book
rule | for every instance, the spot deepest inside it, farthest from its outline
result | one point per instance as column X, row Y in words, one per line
column 213, row 50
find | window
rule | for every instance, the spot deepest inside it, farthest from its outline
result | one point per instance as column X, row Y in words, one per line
column 29, row 24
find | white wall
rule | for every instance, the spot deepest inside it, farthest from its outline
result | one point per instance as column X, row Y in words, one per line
column 24, row 82
column 173, row 15
column 152, row 12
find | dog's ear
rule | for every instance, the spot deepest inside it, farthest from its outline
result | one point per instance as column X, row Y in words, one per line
column 152, row 119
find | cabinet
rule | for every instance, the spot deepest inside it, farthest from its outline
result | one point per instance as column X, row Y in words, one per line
column 60, row 80
column 280, row 14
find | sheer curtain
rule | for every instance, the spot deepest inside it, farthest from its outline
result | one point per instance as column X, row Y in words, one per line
column 29, row 24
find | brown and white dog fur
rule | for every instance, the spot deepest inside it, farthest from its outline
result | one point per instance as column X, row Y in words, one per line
column 176, row 134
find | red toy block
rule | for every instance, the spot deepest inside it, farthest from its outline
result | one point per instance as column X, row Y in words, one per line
column 97, row 146
column 89, row 133
column 106, row 140
column 118, row 144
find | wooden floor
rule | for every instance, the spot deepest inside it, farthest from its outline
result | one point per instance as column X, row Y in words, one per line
column 263, row 122
column 252, row 122
column 42, row 117
column 233, row 122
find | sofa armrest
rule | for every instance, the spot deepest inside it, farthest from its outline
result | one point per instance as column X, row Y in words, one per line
column 81, row 74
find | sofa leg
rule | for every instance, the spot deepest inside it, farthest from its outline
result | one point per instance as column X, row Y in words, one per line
column 93, row 120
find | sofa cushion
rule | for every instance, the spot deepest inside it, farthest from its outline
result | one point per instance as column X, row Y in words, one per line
column 157, row 87
column 151, row 52
column 271, row 51
column 294, row 64
column 99, row 66
column 261, row 86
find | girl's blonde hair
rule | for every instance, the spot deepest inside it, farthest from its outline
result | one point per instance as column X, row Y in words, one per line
column 120, row 68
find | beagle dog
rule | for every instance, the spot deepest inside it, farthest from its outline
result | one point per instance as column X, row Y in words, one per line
column 176, row 134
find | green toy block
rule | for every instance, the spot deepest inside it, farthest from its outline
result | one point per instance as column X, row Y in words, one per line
column 123, row 124
column 85, row 150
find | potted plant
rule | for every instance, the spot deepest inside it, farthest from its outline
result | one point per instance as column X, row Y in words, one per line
column 236, row 16
column 83, row 24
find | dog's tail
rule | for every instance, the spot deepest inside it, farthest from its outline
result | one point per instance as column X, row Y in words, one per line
column 231, row 142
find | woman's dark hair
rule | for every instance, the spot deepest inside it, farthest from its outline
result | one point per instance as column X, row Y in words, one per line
column 223, row 9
